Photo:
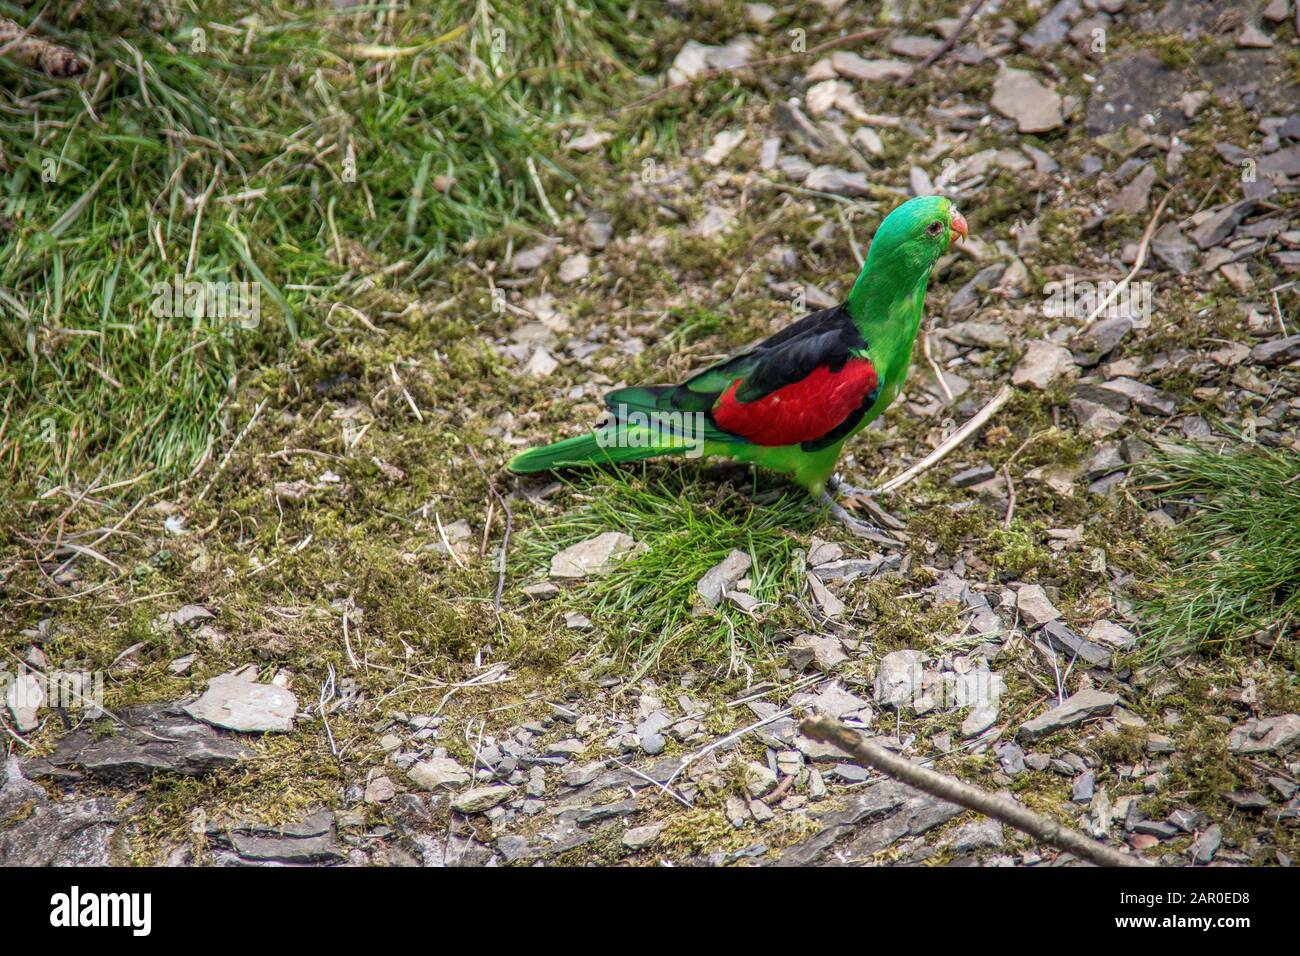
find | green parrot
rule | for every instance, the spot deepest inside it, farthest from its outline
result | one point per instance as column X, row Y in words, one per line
column 790, row 402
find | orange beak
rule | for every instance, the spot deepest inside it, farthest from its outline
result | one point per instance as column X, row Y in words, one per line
column 958, row 226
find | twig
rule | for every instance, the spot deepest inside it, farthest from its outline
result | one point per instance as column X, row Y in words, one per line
column 934, row 367
column 853, row 242
column 327, row 695
column 347, row 642
column 225, row 460
column 943, row 48
column 1138, row 262
column 956, row 438
column 724, row 741
column 1011, row 497
column 866, row 753
column 541, row 193
column 648, row 779
column 397, row 380
column 505, row 538
column 447, row 544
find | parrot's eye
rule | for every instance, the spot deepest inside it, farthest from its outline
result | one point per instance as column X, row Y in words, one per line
column 934, row 228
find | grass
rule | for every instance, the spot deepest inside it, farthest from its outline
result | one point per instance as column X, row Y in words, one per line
column 1236, row 558
column 646, row 607
column 287, row 158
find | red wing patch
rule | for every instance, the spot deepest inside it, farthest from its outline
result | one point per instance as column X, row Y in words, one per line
column 800, row 411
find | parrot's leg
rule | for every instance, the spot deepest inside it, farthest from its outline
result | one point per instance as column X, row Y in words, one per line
column 839, row 486
column 856, row 526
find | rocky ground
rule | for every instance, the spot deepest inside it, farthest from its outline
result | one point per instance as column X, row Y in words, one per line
column 312, row 663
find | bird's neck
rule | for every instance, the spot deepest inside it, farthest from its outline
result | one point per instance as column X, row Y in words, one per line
column 887, row 304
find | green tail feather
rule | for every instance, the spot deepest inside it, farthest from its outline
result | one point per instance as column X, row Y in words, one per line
column 584, row 450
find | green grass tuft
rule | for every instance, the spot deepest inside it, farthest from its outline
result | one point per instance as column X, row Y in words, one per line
column 1236, row 559
column 253, row 114
column 644, row 607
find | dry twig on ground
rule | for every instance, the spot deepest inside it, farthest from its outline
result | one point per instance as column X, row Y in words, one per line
column 868, row 754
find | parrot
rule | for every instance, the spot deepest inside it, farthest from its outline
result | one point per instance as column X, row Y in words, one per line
column 791, row 401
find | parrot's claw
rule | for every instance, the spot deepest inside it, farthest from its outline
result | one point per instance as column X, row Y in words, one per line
column 857, row 526
column 845, row 490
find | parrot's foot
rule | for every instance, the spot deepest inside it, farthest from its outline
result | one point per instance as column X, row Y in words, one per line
column 838, row 486
column 857, row 526
column 862, row 499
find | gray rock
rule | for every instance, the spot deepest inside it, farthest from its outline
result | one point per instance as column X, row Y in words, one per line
column 841, row 182
column 981, row 718
column 154, row 738
column 1147, row 399
column 1189, row 821
column 533, row 257
column 854, row 67
column 1011, row 758
column 1111, row 634
column 984, row 335
column 1277, row 351
column 852, row 568
column 1018, row 95
column 579, row 775
column 898, row 678
column 1279, row 735
column 1096, row 420
column 649, row 732
column 439, row 772
column 1132, row 199
column 874, row 819
column 596, row 555
column 24, row 697
column 245, row 706
column 1085, row 785
column 1064, row 640
column 1172, row 247
column 977, row 835
column 1217, row 224
column 972, row 476
column 480, row 799
column 1156, row 828
column 589, row 815
column 1251, row 801
column 835, row 701
column 967, row 299
column 759, row 779
column 1083, row 706
column 638, row 838
column 723, row 577
column 801, row 129
column 1207, row 845
column 1043, row 363
column 1092, row 346
column 38, row 831
column 809, row 649
column 309, row 840
column 1052, row 27
column 597, row 230
column 1034, row 607
column 190, row 615
column 542, row 591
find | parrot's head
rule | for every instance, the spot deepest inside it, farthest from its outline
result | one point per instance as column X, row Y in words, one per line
column 916, row 234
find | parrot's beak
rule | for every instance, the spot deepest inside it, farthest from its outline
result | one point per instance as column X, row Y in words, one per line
column 958, row 226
